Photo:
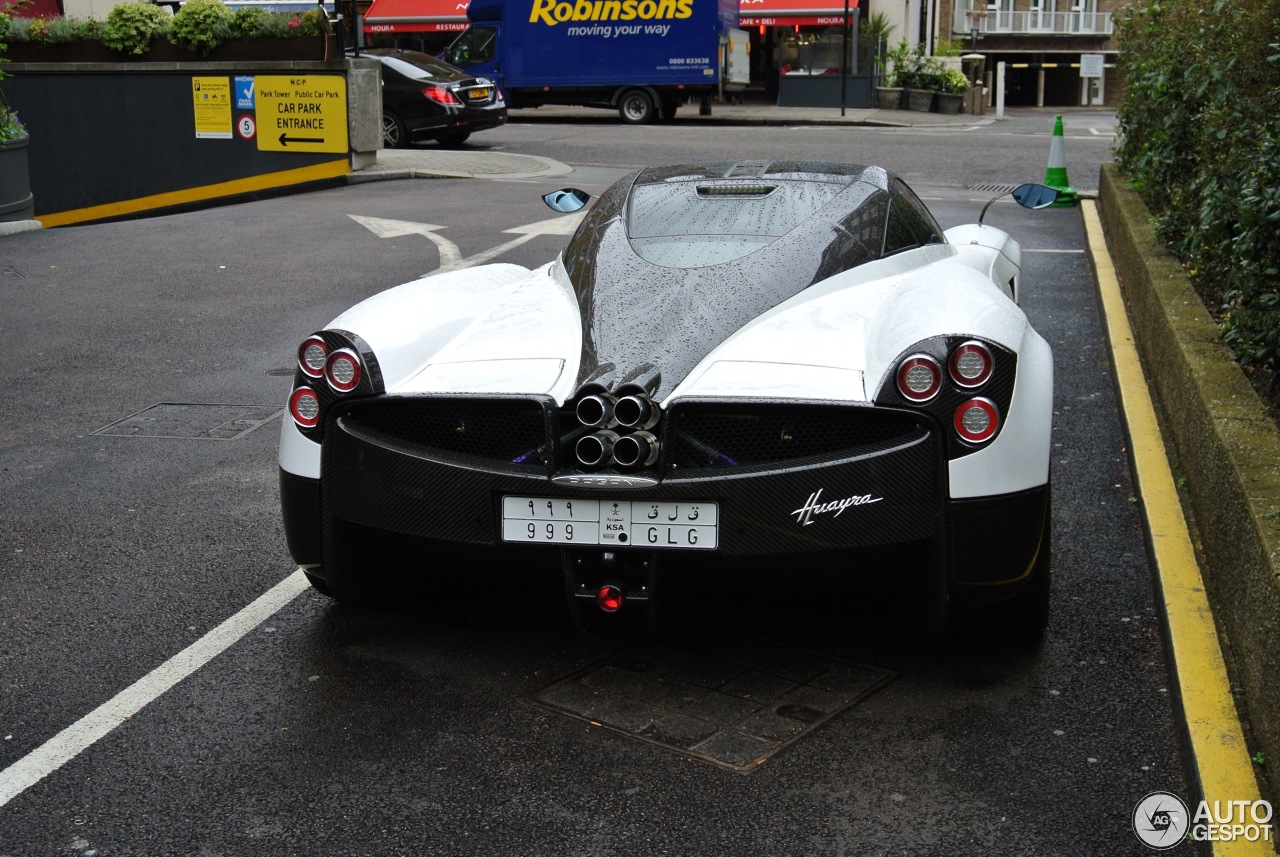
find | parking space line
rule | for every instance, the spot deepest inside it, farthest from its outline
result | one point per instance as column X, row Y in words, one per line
column 86, row 731
column 1218, row 747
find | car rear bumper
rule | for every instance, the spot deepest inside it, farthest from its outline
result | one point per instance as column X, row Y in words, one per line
column 894, row 494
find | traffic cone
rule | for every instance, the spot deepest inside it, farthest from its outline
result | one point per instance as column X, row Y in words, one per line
column 1055, row 175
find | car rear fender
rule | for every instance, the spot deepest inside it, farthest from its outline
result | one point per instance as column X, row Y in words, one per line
column 408, row 325
column 991, row 252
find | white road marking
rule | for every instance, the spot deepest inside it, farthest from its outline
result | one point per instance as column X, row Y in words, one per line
column 450, row 256
column 86, row 731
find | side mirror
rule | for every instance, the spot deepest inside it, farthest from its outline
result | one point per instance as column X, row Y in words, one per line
column 1028, row 196
column 1035, row 196
column 566, row 200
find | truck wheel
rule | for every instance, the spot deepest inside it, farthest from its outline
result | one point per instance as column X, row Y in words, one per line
column 636, row 107
column 394, row 134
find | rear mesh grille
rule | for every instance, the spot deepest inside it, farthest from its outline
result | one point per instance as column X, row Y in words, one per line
column 506, row 432
column 718, row 436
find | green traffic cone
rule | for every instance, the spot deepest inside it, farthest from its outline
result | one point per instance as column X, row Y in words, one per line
column 1055, row 175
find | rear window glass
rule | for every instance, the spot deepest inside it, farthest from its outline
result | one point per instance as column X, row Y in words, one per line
column 423, row 68
column 691, row 224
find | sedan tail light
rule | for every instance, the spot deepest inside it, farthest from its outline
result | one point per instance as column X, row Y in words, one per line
column 312, row 356
column 441, row 95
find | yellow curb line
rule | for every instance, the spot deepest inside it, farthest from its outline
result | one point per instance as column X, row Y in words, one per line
column 1218, row 747
column 251, row 184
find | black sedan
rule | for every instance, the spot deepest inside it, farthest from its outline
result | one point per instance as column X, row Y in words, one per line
column 424, row 98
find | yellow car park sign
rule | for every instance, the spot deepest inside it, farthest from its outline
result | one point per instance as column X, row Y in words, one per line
column 301, row 113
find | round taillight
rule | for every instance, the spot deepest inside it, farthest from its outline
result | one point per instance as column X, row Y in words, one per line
column 977, row 420
column 304, row 407
column 971, row 365
column 342, row 370
column 919, row 378
column 312, row 355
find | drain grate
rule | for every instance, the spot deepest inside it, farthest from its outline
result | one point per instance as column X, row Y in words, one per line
column 191, row 421
column 993, row 188
column 731, row 701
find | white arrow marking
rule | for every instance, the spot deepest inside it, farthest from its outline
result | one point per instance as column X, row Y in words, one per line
column 450, row 257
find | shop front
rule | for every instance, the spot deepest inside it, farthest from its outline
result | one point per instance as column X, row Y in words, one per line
column 414, row 25
column 805, row 53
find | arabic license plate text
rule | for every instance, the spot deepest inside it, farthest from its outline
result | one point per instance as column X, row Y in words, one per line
column 613, row 523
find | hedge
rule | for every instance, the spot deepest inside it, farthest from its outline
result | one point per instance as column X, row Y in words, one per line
column 1200, row 142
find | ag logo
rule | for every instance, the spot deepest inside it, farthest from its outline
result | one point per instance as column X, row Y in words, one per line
column 1160, row 820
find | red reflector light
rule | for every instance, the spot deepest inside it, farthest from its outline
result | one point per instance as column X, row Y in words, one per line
column 919, row 378
column 977, row 420
column 609, row 599
column 343, row 371
column 312, row 354
column 304, row 407
column 441, row 95
column 971, row 365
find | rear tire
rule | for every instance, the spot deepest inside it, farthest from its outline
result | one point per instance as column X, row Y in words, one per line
column 319, row 584
column 453, row 138
column 636, row 107
column 364, row 566
column 1024, row 618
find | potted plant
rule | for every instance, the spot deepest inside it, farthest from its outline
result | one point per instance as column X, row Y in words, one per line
column 899, row 69
column 16, row 201
column 924, row 82
column 952, row 86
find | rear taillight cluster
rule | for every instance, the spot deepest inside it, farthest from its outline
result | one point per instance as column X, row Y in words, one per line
column 970, row 366
column 327, row 369
column 441, row 95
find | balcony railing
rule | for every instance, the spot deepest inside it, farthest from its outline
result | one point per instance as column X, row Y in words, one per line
column 1024, row 23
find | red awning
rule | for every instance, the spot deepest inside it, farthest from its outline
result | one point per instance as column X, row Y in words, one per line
column 416, row 16
column 32, row 9
column 770, row 13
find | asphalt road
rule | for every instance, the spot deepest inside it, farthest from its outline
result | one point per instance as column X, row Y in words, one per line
column 427, row 728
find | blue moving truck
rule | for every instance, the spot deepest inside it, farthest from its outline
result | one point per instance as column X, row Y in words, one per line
column 641, row 57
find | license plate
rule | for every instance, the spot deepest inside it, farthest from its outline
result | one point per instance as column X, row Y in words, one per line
column 478, row 94
column 611, row 523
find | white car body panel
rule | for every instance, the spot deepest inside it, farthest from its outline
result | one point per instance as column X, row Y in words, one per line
column 508, row 330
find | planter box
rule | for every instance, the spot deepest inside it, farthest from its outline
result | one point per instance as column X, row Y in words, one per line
column 950, row 104
column 16, row 200
column 888, row 97
column 920, row 100
column 239, row 50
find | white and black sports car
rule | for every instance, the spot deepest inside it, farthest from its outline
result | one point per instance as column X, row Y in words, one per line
column 729, row 362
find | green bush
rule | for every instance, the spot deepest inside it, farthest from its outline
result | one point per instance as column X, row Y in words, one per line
column 132, row 27
column 197, row 25
column 63, row 31
column 911, row 68
column 249, row 22
column 953, row 82
column 1200, row 141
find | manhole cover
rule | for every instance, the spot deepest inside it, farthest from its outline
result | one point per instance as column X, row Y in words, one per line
column 193, row 421
column 731, row 701
column 994, row 188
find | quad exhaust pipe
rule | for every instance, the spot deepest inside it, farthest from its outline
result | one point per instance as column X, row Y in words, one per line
column 632, row 446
